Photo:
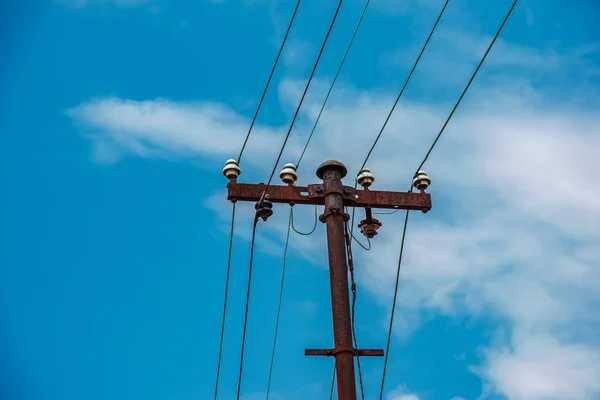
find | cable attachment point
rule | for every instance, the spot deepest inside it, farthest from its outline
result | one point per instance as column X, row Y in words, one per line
column 369, row 227
column 264, row 209
column 365, row 178
column 288, row 174
column 232, row 170
column 421, row 181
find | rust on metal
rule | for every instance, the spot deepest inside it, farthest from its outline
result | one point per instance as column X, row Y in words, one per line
column 314, row 194
column 275, row 193
column 331, row 352
column 393, row 200
column 338, row 278
column 335, row 197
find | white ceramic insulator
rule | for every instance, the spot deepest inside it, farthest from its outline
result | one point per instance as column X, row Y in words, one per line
column 288, row 174
column 365, row 178
column 421, row 181
column 232, row 170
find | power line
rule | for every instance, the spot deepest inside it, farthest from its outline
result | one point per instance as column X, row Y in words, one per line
column 247, row 304
column 414, row 67
column 420, row 166
column 468, row 84
column 287, row 136
column 350, row 262
column 333, row 82
column 332, row 383
column 387, row 347
column 225, row 300
column 405, row 83
column 262, row 97
column 287, row 240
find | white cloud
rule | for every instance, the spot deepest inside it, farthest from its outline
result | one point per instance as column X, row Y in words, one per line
column 517, row 172
column 540, row 367
column 401, row 393
column 119, row 3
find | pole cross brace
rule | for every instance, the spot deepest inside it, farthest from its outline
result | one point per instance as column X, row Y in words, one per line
column 312, row 194
column 333, row 352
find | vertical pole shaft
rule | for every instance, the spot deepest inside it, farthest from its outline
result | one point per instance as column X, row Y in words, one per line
column 340, row 302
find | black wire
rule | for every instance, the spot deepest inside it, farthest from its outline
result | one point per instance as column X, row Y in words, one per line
column 287, row 136
column 313, row 228
column 332, row 383
column 350, row 263
column 405, row 83
column 420, row 166
column 287, row 240
column 468, row 84
column 360, row 244
column 269, row 81
column 387, row 347
column 333, row 82
column 225, row 300
column 414, row 67
column 247, row 304
column 386, row 212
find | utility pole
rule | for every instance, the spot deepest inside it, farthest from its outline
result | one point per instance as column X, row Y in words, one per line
column 332, row 194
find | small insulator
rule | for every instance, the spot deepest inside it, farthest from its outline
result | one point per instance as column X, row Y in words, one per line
column 232, row 170
column 264, row 209
column 365, row 178
column 421, row 181
column 288, row 174
column 369, row 227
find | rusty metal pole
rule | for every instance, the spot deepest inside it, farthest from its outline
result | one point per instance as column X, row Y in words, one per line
column 332, row 172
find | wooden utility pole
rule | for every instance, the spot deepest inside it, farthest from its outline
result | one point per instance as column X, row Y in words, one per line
column 332, row 194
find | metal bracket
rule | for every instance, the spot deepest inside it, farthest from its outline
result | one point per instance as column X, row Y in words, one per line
column 320, row 190
column 355, row 352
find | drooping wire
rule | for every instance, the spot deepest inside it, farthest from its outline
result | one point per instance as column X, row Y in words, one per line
column 247, row 304
column 287, row 241
column 350, row 261
column 367, row 248
column 386, row 212
column 287, row 136
column 405, row 84
column 468, row 84
column 305, row 233
column 262, row 97
column 387, row 347
column 420, row 166
column 337, row 74
column 227, row 274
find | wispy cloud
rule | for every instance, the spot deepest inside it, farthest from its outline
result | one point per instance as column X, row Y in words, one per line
column 401, row 393
column 517, row 171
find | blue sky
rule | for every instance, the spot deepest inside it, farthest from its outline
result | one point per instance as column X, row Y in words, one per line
column 116, row 117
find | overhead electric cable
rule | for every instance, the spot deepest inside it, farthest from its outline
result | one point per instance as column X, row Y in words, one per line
column 225, row 300
column 287, row 136
column 468, row 85
column 405, row 83
column 233, row 206
column 287, row 241
column 262, row 97
column 414, row 67
column 420, row 166
column 247, row 304
column 337, row 74
column 350, row 264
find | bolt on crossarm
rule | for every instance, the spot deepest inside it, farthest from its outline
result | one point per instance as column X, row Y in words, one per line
column 335, row 197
